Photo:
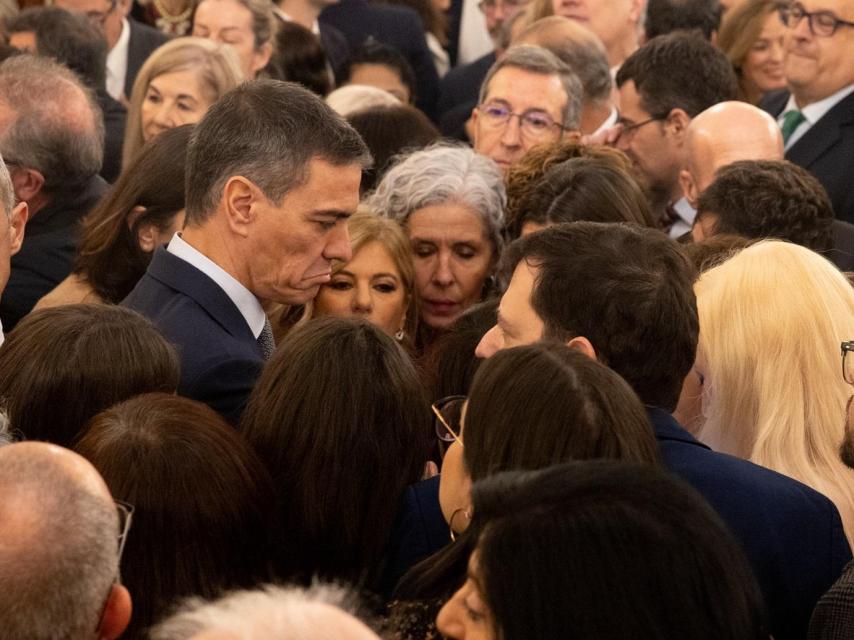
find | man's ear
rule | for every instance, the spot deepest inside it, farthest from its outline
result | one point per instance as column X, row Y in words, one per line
column 689, row 187
column 261, row 58
column 240, row 196
column 582, row 344
column 28, row 183
column 636, row 13
column 17, row 223
column 677, row 123
column 117, row 612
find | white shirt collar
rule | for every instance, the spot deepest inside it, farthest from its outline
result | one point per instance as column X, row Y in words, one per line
column 610, row 121
column 315, row 28
column 812, row 112
column 242, row 298
column 686, row 214
column 117, row 63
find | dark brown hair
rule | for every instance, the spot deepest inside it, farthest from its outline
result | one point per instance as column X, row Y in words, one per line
column 299, row 57
column 597, row 189
column 534, row 406
column 201, row 501
column 61, row 366
column 770, row 199
column 110, row 258
column 627, row 289
column 341, row 421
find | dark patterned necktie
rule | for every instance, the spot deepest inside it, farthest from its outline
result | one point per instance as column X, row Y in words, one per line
column 791, row 121
column 266, row 342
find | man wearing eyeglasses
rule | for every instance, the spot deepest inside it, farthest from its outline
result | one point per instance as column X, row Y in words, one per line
column 663, row 85
column 816, row 115
column 61, row 537
column 129, row 42
column 529, row 97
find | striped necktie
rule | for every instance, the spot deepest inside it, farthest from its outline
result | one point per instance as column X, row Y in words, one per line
column 266, row 342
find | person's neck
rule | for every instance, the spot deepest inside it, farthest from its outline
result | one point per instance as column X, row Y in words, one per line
column 303, row 13
column 208, row 240
column 593, row 116
column 622, row 49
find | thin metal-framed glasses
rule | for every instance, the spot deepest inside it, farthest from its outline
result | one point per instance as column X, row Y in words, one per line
column 125, row 510
column 848, row 363
column 447, row 413
column 629, row 129
column 532, row 123
column 821, row 23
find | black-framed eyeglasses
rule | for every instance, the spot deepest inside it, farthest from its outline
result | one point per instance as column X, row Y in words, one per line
column 532, row 123
column 125, row 510
column 821, row 23
column 629, row 129
column 848, row 363
column 100, row 17
column 447, row 414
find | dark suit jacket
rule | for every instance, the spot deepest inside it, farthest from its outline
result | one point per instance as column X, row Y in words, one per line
column 220, row 357
column 398, row 27
column 826, row 150
column 791, row 534
column 335, row 47
column 833, row 618
column 115, row 116
column 458, row 93
column 47, row 255
column 143, row 40
column 842, row 254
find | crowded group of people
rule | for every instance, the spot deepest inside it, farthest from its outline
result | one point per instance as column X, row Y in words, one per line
column 417, row 319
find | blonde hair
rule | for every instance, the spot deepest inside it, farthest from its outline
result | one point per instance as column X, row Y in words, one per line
column 740, row 29
column 771, row 322
column 217, row 65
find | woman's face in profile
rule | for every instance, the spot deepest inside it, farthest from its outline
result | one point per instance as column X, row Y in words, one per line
column 466, row 615
column 369, row 287
column 453, row 257
column 172, row 99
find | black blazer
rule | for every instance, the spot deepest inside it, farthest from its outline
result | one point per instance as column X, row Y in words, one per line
column 335, row 47
column 398, row 27
column 143, row 40
column 458, row 93
column 792, row 535
column 220, row 357
column 826, row 151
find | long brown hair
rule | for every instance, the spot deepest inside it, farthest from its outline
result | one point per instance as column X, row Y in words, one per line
column 110, row 258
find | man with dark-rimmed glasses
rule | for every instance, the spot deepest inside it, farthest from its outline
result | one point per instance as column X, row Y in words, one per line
column 816, row 114
column 61, row 536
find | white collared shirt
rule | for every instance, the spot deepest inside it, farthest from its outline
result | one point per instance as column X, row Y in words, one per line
column 610, row 121
column 812, row 112
column 242, row 297
column 315, row 27
column 686, row 214
column 117, row 64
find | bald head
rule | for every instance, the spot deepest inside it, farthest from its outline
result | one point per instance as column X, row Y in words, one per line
column 58, row 543
column 723, row 134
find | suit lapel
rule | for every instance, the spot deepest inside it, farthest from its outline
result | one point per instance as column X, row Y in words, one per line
column 180, row 275
column 823, row 135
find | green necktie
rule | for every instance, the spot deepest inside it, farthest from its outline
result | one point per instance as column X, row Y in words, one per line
column 791, row 121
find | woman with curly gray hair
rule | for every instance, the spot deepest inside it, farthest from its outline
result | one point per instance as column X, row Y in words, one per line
column 450, row 201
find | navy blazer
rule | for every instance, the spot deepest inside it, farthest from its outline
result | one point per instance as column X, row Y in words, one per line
column 220, row 356
column 143, row 40
column 395, row 26
column 791, row 534
column 826, row 150
column 458, row 93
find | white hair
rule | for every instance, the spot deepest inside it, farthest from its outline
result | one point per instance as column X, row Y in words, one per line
column 444, row 173
column 352, row 98
column 284, row 613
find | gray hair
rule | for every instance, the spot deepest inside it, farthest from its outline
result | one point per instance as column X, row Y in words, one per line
column 267, row 131
column 268, row 612
column 7, row 189
column 444, row 173
column 536, row 59
column 59, row 555
column 59, row 129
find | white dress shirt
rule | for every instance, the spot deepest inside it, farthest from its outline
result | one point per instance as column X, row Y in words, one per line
column 242, row 298
column 812, row 112
column 474, row 40
column 117, row 64
column 610, row 121
column 315, row 27
column 686, row 214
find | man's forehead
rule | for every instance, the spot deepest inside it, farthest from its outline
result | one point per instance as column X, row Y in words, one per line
column 513, row 84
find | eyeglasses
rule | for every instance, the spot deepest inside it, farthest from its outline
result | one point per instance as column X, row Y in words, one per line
column 533, row 124
column 629, row 129
column 821, row 23
column 488, row 6
column 125, row 518
column 848, row 363
column 100, row 17
column 447, row 418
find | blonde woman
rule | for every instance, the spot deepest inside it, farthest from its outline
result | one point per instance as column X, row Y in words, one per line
column 771, row 321
column 177, row 85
